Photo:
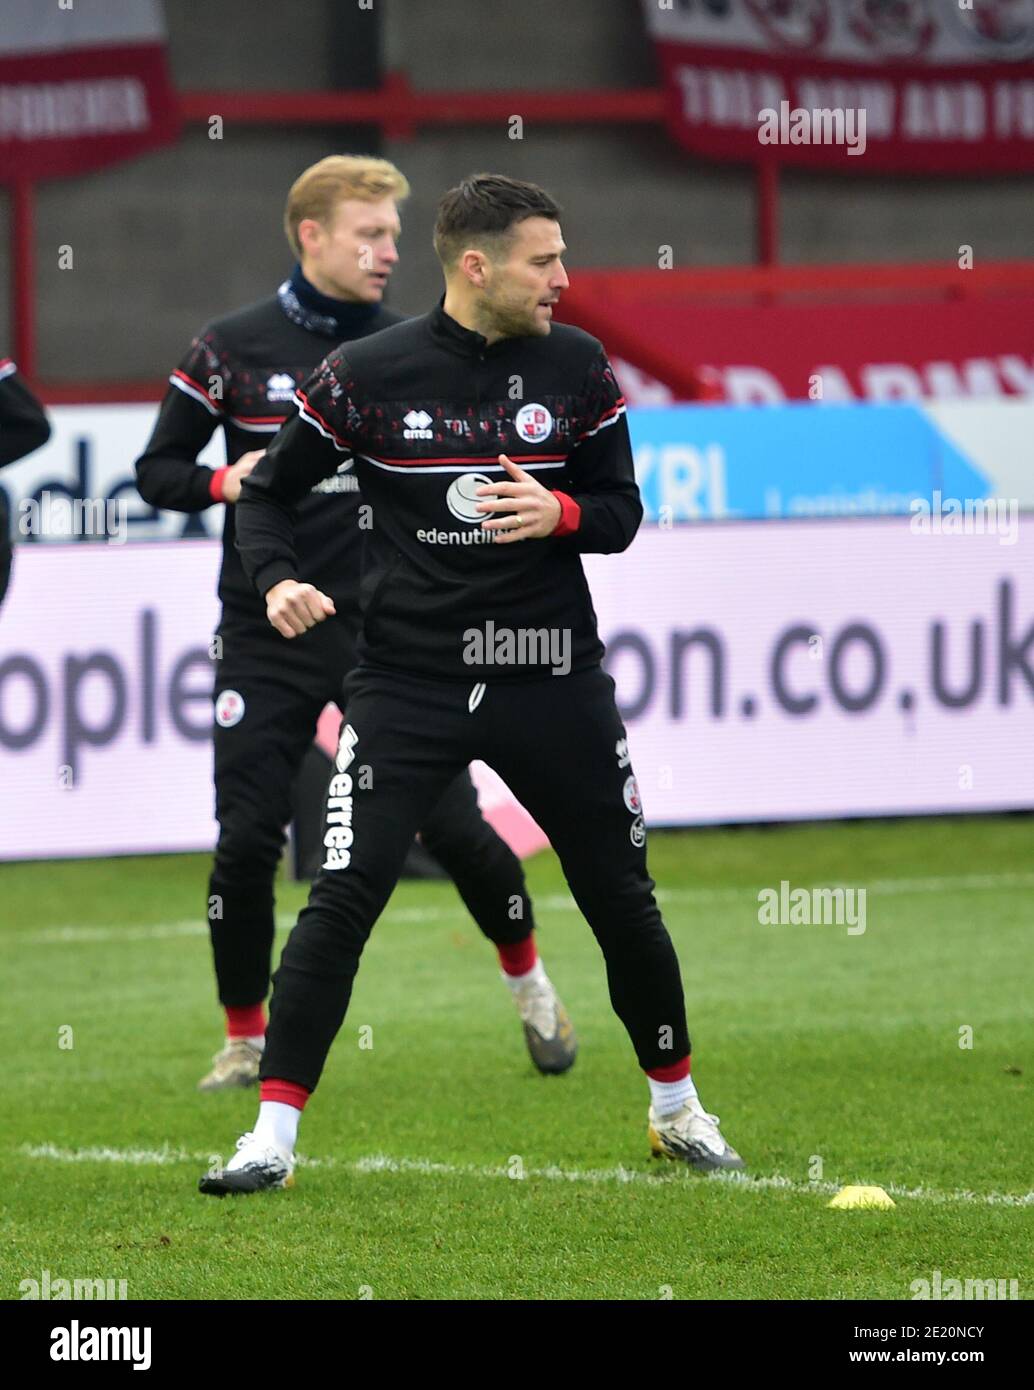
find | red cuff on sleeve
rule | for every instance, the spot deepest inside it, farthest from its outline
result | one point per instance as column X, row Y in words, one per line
column 570, row 515
column 215, row 483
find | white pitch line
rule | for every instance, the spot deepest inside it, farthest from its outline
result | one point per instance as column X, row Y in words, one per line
column 382, row 1163
column 56, row 936
column 551, row 902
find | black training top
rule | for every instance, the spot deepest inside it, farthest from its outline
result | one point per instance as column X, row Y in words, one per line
column 425, row 409
column 241, row 372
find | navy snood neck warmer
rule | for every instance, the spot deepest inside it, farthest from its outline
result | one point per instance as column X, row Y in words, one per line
column 305, row 305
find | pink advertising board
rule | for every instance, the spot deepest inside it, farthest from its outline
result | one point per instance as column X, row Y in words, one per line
column 766, row 671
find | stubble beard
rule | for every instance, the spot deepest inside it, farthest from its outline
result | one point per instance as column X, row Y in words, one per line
column 510, row 320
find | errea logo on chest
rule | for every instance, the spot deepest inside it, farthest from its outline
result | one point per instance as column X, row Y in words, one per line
column 533, row 423
column 280, row 387
column 417, row 423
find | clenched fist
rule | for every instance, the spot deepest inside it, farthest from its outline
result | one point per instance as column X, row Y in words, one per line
column 293, row 608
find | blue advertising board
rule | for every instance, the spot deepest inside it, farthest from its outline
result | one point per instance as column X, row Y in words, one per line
column 711, row 462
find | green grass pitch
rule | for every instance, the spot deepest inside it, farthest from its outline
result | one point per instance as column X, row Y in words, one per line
column 831, row 1058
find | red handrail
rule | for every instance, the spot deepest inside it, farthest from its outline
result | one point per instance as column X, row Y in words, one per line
column 399, row 110
column 101, row 392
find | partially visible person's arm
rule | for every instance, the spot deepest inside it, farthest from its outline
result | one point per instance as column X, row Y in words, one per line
column 23, row 423
column 311, row 446
column 168, row 474
column 604, row 510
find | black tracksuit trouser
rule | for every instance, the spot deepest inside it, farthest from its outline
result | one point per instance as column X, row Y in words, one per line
column 269, row 694
column 560, row 746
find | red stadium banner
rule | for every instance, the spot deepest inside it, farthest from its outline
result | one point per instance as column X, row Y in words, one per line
column 925, row 86
column 909, row 347
column 81, row 86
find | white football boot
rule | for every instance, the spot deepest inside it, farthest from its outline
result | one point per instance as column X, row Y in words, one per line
column 255, row 1167
column 692, row 1136
column 548, row 1030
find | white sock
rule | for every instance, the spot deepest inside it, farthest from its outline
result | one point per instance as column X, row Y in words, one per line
column 277, row 1124
column 536, row 973
column 669, row 1096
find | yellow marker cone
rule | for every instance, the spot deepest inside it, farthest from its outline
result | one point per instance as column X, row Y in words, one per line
column 861, row 1197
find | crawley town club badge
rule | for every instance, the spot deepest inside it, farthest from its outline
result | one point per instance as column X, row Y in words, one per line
column 533, row 423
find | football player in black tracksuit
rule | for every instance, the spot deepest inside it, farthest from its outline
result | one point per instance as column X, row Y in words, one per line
column 240, row 374
column 479, row 639
column 23, row 428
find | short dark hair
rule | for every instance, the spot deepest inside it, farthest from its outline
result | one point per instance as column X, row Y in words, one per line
column 483, row 210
